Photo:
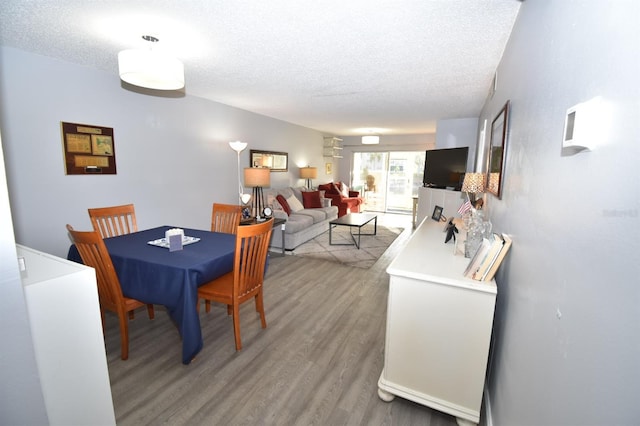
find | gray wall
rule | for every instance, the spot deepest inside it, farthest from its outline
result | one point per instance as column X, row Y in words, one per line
column 172, row 154
column 567, row 327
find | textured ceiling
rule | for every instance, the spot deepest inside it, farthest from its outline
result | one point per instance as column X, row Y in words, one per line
column 338, row 66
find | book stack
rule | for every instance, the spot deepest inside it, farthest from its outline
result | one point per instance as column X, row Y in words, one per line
column 485, row 263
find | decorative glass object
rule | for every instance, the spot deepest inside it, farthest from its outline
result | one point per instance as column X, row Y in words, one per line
column 477, row 229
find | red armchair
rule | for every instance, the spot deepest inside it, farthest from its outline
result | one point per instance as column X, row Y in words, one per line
column 334, row 191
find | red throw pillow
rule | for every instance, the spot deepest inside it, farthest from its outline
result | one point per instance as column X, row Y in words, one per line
column 311, row 200
column 284, row 204
column 327, row 187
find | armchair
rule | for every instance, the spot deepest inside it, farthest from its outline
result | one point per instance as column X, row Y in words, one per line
column 336, row 192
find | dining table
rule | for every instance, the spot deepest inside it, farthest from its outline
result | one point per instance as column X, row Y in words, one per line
column 154, row 274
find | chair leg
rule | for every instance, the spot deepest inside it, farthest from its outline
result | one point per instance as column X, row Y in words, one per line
column 131, row 315
column 236, row 326
column 260, row 308
column 124, row 336
column 229, row 310
column 207, row 305
column 150, row 311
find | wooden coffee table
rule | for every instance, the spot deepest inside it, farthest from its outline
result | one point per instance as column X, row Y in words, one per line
column 354, row 220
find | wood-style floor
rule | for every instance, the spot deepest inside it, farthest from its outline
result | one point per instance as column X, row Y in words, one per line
column 317, row 362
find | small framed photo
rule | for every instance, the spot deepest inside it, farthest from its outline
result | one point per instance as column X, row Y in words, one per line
column 437, row 213
column 327, row 168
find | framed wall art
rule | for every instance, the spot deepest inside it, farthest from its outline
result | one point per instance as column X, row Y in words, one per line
column 88, row 149
column 276, row 161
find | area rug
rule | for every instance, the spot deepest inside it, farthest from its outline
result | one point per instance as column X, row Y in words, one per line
column 371, row 246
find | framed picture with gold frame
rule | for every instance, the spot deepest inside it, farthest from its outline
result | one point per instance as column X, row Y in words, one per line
column 88, row 149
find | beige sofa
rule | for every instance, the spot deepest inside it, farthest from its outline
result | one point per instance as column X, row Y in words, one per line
column 302, row 225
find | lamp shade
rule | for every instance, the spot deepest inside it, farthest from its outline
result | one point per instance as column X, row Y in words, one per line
column 150, row 69
column 370, row 140
column 473, row 183
column 308, row 172
column 257, row 176
column 238, row 146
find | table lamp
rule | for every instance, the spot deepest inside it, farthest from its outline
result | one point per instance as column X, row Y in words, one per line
column 308, row 173
column 257, row 177
column 474, row 184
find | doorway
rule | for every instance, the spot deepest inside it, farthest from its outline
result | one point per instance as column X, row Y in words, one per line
column 388, row 181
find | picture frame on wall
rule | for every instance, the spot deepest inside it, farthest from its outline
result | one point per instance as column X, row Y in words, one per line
column 328, row 168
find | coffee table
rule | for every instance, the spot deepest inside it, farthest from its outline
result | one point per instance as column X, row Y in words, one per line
column 354, row 220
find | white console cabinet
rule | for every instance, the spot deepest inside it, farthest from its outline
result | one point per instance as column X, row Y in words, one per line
column 428, row 198
column 438, row 328
column 64, row 315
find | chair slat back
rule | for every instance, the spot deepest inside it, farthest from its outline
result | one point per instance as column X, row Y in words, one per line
column 94, row 253
column 225, row 218
column 252, row 245
column 114, row 221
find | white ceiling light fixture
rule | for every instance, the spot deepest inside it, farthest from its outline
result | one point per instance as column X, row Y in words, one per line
column 371, row 140
column 150, row 68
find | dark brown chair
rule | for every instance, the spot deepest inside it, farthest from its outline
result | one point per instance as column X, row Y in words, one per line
column 94, row 253
column 225, row 218
column 114, row 221
column 245, row 281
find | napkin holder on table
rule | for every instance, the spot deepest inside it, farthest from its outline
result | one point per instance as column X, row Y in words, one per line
column 174, row 238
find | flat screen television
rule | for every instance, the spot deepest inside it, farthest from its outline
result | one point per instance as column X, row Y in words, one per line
column 445, row 168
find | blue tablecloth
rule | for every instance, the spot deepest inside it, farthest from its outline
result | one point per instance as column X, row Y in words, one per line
column 155, row 275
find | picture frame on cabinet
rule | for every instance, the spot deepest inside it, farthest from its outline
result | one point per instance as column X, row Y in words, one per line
column 437, row 213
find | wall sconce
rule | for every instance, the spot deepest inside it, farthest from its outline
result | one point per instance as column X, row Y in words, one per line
column 308, row 173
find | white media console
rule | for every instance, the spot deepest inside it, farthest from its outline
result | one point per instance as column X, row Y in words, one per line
column 438, row 326
column 428, row 198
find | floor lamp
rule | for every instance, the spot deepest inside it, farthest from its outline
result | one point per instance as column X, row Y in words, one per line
column 238, row 147
column 308, row 173
column 257, row 177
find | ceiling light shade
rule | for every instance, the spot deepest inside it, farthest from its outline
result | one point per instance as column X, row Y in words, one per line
column 473, row 183
column 308, row 172
column 370, row 140
column 257, row 176
column 150, row 68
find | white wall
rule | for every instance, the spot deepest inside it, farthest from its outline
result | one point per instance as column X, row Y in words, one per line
column 172, row 154
column 567, row 327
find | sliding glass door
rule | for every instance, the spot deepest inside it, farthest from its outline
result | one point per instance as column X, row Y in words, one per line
column 388, row 181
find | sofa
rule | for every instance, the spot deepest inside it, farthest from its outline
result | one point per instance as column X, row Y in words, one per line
column 346, row 200
column 307, row 214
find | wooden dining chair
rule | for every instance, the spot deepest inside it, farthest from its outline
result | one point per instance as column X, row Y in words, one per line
column 94, row 253
column 245, row 281
column 225, row 218
column 114, row 221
